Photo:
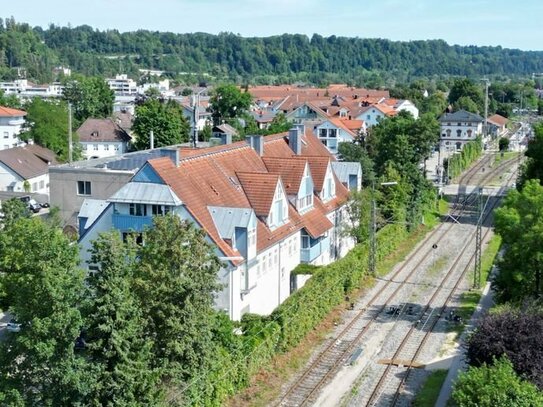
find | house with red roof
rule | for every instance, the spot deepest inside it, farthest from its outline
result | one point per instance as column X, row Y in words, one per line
column 266, row 204
column 334, row 131
column 497, row 125
column 11, row 123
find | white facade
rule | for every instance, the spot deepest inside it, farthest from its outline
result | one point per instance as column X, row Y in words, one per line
column 454, row 135
column 103, row 149
column 408, row 106
column 25, row 90
column 371, row 116
column 13, row 182
column 331, row 135
column 123, row 86
column 10, row 127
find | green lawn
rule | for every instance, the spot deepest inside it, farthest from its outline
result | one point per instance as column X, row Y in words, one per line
column 429, row 392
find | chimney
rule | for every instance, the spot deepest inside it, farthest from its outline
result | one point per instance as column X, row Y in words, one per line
column 172, row 153
column 257, row 143
column 152, row 139
column 295, row 139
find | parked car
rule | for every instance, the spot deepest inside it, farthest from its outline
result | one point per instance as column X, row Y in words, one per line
column 34, row 206
column 13, row 326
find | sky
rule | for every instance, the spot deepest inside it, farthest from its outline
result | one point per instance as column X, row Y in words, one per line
column 465, row 22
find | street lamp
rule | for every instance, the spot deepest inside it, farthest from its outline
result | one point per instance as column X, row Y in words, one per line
column 373, row 226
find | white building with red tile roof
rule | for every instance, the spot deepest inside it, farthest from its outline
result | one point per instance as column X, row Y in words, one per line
column 11, row 123
column 267, row 205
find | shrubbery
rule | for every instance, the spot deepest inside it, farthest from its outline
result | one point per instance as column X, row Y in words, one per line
column 459, row 162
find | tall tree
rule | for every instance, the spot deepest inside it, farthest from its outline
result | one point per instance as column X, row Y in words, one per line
column 166, row 120
column 519, row 221
column 228, row 102
column 47, row 125
column 496, row 385
column 533, row 167
column 89, row 96
column 44, row 289
column 516, row 334
column 176, row 280
column 115, row 333
column 466, row 88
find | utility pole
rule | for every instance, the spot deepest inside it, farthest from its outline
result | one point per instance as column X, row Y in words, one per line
column 70, row 143
column 478, row 241
column 485, row 129
column 373, row 233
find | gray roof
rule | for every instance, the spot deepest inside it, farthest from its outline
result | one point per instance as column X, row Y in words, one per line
column 460, row 116
column 91, row 209
column 343, row 169
column 227, row 219
column 147, row 193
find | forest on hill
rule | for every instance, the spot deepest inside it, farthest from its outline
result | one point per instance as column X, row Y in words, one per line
column 282, row 58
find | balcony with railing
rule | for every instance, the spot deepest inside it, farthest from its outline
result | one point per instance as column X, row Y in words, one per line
column 124, row 222
column 319, row 247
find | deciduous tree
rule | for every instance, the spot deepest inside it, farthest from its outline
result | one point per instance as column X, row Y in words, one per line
column 116, row 344
column 496, row 385
column 44, row 288
column 519, row 221
column 176, row 280
column 166, row 120
column 515, row 334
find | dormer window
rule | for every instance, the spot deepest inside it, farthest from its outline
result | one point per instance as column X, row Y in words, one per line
column 94, row 133
column 279, row 210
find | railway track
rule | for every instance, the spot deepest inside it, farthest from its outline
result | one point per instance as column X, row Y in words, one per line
column 336, row 352
column 390, row 387
column 307, row 386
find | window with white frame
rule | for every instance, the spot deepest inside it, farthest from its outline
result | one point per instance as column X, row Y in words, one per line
column 279, row 211
column 116, row 147
column 106, row 147
column 95, row 147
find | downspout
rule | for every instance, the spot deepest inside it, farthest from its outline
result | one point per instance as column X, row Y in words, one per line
column 279, row 274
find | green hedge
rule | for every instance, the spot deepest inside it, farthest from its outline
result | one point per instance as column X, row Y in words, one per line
column 459, row 162
column 264, row 337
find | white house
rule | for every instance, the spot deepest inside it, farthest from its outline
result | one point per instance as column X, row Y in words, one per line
column 371, row 114
column 102, row 138
column 266, row 205
column 26, row 169
column 458, row 128
column 332, row 132
column 122, row 85
column 11, row 122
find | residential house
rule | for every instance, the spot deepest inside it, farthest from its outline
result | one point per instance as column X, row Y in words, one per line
column 497, row 125
column 11, row 123
column 102, row 138
column 458, row 128
column 26, row 169
column 71, row 184
column 266, row 204
column 332, row 132
column 371, row 114
column 122, row 85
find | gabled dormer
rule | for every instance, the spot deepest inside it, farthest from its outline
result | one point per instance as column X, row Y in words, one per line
column 304, row 200
column 329, row 185
column 297, row 180
column 323, row 177
column 266, row 195
column 278, row 214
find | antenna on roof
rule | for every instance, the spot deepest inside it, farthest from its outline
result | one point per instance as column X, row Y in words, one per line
column 70, row 144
